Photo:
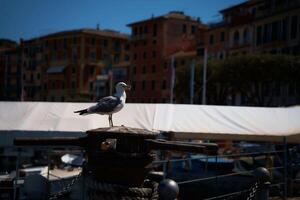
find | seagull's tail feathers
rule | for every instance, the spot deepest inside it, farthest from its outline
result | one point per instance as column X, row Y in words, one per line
column 82, row 112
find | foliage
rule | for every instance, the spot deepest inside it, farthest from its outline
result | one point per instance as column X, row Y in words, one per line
column 257, row 78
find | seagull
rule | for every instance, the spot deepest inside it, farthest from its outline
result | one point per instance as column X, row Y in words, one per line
column 110, row 104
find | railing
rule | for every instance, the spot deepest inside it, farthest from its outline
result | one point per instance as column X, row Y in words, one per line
column 211, row 178
column 282, row 167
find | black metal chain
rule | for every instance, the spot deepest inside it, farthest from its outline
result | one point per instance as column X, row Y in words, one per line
column 65, row 189
column 253, row 190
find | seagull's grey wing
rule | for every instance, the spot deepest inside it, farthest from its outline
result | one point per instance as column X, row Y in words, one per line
column 106, row 104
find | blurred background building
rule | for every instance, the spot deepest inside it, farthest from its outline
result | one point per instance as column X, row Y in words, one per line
column 78, row 65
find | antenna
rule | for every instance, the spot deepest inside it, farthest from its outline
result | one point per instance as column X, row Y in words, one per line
column 98, row 26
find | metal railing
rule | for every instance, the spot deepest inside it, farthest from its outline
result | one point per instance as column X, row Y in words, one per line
column 282, row 167
column 281, row 184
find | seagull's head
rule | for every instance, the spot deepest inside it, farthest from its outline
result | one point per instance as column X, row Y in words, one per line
column 121, row 87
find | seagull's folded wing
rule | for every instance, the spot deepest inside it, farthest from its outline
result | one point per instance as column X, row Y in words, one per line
column 106, row 104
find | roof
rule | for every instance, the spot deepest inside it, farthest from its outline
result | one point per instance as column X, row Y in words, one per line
column 234, row 7
column 194, row 121
column 171, row 15
column 99, row 32
column 245, row 3
column 55, row 69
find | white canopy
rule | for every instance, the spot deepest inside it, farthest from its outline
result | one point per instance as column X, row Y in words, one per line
column 188, row 121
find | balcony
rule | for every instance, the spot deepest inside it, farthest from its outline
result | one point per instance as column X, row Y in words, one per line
column 139, row 37
column 271, row 9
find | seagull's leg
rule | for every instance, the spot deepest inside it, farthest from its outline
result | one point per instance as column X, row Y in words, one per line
column 110, row 120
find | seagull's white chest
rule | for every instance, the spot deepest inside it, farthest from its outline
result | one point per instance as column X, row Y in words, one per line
column 119, row 107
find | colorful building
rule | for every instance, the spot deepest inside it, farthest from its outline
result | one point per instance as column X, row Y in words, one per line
column 10, row 71
column 152, row 42
column 64, row 66
column 256, row 26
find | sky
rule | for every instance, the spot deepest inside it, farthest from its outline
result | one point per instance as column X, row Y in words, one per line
column 31, row 18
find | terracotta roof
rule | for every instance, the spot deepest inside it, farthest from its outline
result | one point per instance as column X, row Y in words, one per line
column 171, row 15
column 100, row 32
column 247, row 2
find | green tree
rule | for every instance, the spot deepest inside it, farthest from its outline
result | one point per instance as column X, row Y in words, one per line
column 257, row 78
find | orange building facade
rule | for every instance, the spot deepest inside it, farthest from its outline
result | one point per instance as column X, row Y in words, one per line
column 256, row 26
column 153, row 41
column 64, row 66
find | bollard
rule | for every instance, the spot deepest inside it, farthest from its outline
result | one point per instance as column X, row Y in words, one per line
column 168, row 190
column 263, row 177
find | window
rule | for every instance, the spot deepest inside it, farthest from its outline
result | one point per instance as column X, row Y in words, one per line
column 294, row 27
column 222, row 36
column 91, row 71
column 182, row 62
column 117, row 58
column 133, row 85
column 284, row 29
column 93, row 56
column 65, row 43
column 165, row 65
column 153, row 68
column 153, row 54
column 144, row 85
column 144, row 55
column 73, row 70
column 73, row 85
column 144, row 69
column 74, row 56
column 134, row 70
column 236, row 37
column 140, row 30
column 105, row 43
column 246, row 36
column 184, row 28
column 154, row 42
column 135, row 31
column 153, row 85
column 267, row 33
column 275, row 31
column 211, row 39
column 91, row 86
column 38, row 76
column 164, row 85
column 193, row 29
column 74, row 40
column 135, row 56
column 258, row 35
column 154, row 30
column 62, row 99
column 145, row 29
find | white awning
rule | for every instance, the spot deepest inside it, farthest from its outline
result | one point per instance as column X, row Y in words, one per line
column 192, row 121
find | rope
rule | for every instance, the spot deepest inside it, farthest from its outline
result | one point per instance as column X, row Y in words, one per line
column 102, row 190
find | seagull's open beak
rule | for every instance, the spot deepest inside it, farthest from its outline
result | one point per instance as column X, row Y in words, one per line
column 127, row 87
